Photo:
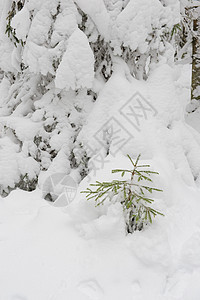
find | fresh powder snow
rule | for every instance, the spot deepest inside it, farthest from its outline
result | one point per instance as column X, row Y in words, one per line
column 82, row 84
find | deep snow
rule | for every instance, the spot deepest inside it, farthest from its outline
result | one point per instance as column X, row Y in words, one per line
column 82, row 252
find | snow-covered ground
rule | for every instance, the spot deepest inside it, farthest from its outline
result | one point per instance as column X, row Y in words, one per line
column 79, row 251
column 83, row 252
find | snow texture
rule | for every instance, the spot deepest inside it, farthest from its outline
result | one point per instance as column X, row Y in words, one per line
column 90, row 252
column 71, row 103
column 76, row 68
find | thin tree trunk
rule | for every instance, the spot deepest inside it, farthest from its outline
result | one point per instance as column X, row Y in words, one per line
column 195, row 88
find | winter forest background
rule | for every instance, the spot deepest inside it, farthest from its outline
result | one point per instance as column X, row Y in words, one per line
column 83, row 83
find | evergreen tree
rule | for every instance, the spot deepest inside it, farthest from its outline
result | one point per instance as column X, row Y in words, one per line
column 195, row 89
column 55, row 56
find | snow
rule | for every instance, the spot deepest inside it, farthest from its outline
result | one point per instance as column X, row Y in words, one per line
column 17, row 124
column 82, row 252
column 59, row 116
column 8, row 163
column 162, row 131
column 38, row 58
column 76, row 68
column 6, row 45
column 66, row 22
column 97, row 11
column 12, row 161
column 40, row 27
column 21, row 23
column 45, row 27
column 133, row 26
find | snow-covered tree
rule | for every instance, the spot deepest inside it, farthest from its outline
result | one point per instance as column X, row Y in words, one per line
column 185, row 36
column 196, row 54
column 56, row 56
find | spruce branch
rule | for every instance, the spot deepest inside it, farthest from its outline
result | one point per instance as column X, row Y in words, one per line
column 133, row 196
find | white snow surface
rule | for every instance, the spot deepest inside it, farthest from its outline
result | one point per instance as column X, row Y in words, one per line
column 82, row 251
column 120, row 28
column 96, row 9
column 21, row 23
column 76, row 68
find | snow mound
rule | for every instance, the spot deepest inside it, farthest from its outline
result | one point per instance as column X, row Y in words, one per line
column 76, row 68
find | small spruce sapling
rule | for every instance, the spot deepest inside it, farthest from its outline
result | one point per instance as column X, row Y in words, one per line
column 132, row 194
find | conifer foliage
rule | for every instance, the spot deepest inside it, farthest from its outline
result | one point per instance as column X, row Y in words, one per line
column 133, row 194
column 55, row 58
